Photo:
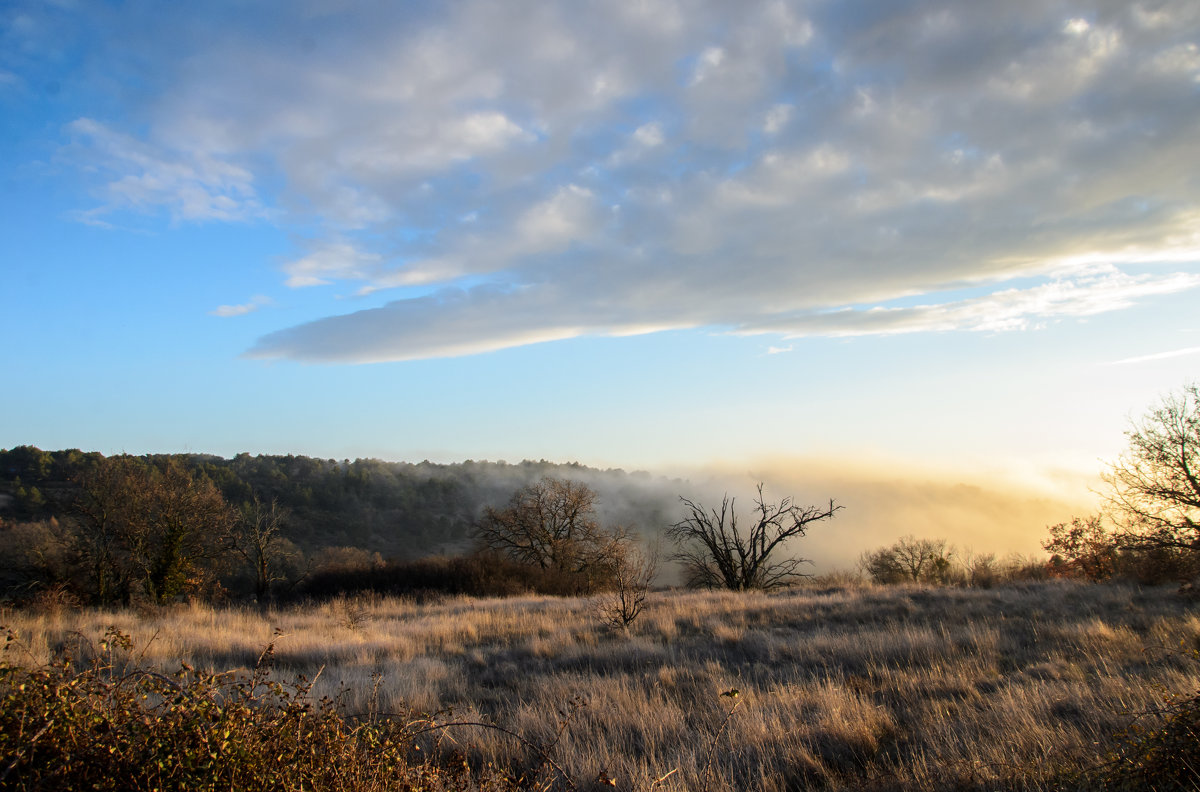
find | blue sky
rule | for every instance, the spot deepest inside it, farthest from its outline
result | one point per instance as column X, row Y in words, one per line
column 936, row 236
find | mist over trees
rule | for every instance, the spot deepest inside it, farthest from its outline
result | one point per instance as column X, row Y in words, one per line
column 113, row 528
column 551, row 525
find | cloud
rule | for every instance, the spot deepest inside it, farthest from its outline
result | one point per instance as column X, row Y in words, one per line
column 447, row 324
column 241, row 310
column 331, row 260
column 758, row 167
column 1005, row 310
column 191, row 186
column 1157, row 356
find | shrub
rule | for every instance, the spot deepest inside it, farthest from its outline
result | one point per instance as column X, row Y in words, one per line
column 910, row 559
column 1161, row 757
column 107, row 725
column 484, row 574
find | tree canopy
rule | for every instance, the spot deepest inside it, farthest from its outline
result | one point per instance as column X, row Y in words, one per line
column 1154, row 487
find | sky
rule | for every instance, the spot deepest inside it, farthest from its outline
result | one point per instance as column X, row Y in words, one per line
column 857, row 243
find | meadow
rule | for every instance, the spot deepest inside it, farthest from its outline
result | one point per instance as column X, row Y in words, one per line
column 1033, row 685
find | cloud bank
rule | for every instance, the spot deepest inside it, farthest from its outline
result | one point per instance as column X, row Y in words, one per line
column 509, row 173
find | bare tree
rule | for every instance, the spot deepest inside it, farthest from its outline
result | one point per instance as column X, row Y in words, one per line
column 632, row 578
column 715, row 553
column 552, row 525
column 909, row 559
column 258, row 539
column 1154, row 487
column 925, row 560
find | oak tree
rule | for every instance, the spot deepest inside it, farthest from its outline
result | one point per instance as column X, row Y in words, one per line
column 552, row 525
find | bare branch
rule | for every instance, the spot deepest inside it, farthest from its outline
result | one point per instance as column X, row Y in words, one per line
column 715, row 552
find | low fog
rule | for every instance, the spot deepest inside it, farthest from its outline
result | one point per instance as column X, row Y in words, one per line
column 1002, row 514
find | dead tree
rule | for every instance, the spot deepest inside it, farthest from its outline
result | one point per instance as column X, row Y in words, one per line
column 716, row 553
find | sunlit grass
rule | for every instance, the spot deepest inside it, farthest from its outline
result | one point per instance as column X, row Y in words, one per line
column 905, row 688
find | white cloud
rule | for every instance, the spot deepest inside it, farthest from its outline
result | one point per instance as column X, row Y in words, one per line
column 777, row 118
column 1006, row 310
column 331, row 261
column 192, row 186
column 1174, row 353
column 648, row 135
column 772, row 163
column 241, row 310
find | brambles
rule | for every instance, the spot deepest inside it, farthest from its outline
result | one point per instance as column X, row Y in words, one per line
column 111, row 725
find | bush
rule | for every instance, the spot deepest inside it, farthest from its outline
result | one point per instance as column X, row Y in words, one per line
column 485, row 574
column 107, row 725
column 1164, row 757
column 910, row 559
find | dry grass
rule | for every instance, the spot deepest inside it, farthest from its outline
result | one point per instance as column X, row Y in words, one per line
column 847, row 688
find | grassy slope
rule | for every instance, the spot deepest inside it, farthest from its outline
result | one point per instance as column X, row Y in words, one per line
column 845, row 688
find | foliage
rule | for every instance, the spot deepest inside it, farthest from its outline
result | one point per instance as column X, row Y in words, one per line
column 106, row 724
column 1082, row 548
column 150, row 525
column 389, row 509
column 715, row 553
column 1085, row 549
column 477, row 575
column 1154, row 487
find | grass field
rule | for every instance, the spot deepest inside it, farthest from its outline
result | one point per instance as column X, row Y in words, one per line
column 844, row 688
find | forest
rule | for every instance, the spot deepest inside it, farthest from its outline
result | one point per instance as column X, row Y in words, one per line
column 314, row 519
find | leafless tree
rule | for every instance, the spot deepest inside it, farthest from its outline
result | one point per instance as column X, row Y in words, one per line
column 632, row 577
column 909, row 559
column 1154, row 487
column 258, row 539
column 923, row 559
column 552, row 525
column 715, row 553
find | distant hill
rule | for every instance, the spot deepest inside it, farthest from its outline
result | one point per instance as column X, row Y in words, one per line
column 397, row 509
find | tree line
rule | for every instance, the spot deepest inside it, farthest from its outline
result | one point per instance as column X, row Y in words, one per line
column 123, row 528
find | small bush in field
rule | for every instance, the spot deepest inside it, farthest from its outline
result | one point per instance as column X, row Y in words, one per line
column 1164, row 757
column 107, row 725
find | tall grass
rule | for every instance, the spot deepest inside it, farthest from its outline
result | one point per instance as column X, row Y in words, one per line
column 1027, row 686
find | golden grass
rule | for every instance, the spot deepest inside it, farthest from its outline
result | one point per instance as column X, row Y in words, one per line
column 848, row 688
